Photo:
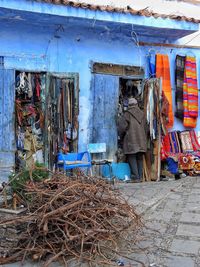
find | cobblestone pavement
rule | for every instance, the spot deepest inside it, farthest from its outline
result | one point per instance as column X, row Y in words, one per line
column 171, row 213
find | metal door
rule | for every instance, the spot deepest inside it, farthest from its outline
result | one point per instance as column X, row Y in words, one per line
column 7, row 130
column 105, row 89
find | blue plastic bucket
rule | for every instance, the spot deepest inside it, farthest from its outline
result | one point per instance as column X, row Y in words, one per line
column 119, row 170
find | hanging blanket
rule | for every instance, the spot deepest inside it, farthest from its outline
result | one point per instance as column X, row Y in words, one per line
column 179, row 79
column 190, row 93
column 186, row 141
column 163, row 71
column 195, row 143
column 174, row 142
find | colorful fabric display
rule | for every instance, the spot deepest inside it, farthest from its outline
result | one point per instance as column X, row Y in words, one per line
column 179, row 79
column 190, row 93
column 198, row 136
column 194, row 140
column 186, row 142
column 196, row 168
column 186, row 162
column 166, row 143
column 164, row 113
column 174, row 142
column 165, row 147
column 163, row 71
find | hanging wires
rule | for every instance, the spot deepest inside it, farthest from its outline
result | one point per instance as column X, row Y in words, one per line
column 192, row 39
column 135, row 39
column 94, row 21
column 59, row 28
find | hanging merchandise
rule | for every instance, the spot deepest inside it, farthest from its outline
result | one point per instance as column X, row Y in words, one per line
column 152, row 98
column 22, row 84
column 164, row 113
column 29, row 120
column 195, row 143
column 186, row 141
column 37, row 86
column 179, row 80
column 30, row 89
column 152, row 64
column 174, row 142
column 150, row 108
column 190, row 93
column 20, row 139
column 163, row 71
column 61, row 119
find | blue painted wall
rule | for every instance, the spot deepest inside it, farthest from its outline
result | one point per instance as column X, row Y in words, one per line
column 42, row 48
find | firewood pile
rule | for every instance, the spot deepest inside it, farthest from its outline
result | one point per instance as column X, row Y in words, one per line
column 69, row 218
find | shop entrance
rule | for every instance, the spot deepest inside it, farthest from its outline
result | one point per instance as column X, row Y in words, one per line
column 128, row 88
column 111, row 87
column 46, row 117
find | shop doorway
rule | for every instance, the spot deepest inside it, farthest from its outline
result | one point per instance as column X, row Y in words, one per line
column 111, row 86
column 46, row 117
column 128, row 88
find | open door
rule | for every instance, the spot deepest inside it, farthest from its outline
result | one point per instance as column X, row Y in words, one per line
column 7, row 131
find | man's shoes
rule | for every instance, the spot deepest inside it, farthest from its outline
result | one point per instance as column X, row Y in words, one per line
column 177, row 176
column 164, row 178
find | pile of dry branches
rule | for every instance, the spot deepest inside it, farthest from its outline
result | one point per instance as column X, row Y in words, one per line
column 78, row 218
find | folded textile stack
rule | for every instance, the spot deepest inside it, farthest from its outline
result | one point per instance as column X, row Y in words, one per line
column 185, row 147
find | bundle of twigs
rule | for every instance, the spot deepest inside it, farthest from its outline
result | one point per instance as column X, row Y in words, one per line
column 74, row 217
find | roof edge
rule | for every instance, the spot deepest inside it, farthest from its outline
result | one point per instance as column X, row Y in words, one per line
column 128, row 10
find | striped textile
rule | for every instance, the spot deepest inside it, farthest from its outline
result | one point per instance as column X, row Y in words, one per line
column 190, row 93
column 179, row 79
column 194, row 140
column 163, row 71
column 174, row 142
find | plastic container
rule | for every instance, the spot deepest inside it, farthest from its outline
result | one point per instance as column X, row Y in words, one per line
column 120, row 170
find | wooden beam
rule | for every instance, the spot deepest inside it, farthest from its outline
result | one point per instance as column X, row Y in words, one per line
column 115, row 69
column 169, row 45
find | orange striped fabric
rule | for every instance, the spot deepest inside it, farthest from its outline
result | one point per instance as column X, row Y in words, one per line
column 190, row 93
column 188, row 121
column 163, row 71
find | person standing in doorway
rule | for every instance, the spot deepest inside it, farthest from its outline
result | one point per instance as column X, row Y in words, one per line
column 132, row 129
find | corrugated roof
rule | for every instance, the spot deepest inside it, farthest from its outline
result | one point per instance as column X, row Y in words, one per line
column 142, row 12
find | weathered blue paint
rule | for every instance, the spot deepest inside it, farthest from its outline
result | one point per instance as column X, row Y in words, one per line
column 105, row 103
column 67, row 11
column 52, row 38
column 7, row 137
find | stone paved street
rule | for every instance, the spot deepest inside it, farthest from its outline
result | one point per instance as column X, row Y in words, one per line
column 171, row 213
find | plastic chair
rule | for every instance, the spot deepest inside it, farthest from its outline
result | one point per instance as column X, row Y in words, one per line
column 74, row 160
